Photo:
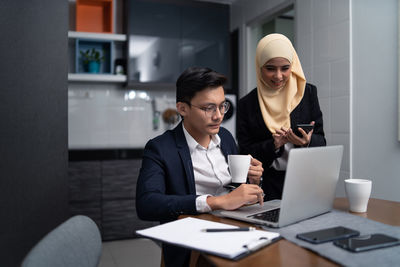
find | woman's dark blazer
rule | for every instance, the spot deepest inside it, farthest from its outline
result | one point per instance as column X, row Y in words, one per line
column 253, row 135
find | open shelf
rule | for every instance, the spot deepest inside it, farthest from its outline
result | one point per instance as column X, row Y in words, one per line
column 97, row 36
column 104, row 47
column 94, row 15
column 93, row 28
column 87, row 77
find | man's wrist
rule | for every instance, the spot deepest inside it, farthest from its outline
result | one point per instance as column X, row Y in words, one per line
column 214, row 202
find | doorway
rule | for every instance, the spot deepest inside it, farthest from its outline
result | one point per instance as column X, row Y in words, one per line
column 280, row 22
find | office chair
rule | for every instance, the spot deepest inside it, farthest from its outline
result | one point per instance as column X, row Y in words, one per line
column 76, row 242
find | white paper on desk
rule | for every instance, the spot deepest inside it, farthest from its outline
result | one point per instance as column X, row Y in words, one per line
column 188, row 233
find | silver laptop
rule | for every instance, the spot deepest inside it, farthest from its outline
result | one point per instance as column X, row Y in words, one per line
column 309, row 189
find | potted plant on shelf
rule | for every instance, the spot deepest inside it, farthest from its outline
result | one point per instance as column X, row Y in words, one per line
column 92, row 59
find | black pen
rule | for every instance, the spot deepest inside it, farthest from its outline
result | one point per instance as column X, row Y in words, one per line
column 216, row 230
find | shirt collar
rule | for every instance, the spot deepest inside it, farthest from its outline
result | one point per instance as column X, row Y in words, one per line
column 192, row 143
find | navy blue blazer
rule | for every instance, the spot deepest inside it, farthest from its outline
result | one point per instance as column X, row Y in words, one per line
column 166, row 187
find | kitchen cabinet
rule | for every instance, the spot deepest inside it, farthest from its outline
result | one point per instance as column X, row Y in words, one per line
column 105, row 191
column 205, row 37
column 94, row 15
column 167, row 37
column 84, row 182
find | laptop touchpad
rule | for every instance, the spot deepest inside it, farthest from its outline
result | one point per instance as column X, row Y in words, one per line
column 255, row 208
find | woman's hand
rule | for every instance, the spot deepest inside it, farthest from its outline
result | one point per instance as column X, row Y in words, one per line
column 255, row 171
column 300, row 141
column 280, row 137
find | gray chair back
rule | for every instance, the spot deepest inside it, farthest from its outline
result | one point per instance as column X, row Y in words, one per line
column 76, row 242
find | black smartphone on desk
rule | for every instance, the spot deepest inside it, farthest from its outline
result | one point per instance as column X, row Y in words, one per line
column 306, row 127
column 327, row 234
column 367, row 242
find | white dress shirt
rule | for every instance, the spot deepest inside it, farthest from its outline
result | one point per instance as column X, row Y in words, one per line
column 210, row 170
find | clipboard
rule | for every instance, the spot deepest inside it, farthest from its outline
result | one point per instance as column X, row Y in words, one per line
column 188, row 233
column 256, row 245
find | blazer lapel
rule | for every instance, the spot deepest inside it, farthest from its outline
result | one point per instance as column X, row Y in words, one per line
column 225, row 150
column 184, row 153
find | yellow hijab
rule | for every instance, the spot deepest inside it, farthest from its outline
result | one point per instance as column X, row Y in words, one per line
column 276, row 105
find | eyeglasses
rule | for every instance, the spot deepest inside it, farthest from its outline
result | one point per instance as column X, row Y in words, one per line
column 211, row 110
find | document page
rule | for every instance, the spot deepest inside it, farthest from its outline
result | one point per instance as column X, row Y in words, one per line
column 189, row 233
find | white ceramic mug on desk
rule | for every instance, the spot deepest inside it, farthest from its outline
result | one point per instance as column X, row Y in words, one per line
column 358, row 192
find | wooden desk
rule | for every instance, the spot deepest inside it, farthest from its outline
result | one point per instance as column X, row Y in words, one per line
column 285, row 253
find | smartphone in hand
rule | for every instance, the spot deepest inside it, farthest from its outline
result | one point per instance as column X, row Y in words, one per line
column 367, row 242
column 306, row 127
column 328, row 234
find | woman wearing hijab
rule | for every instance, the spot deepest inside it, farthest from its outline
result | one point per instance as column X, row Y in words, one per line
column 269, row 114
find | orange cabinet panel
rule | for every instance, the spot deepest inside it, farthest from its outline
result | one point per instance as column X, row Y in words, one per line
column 94, row 16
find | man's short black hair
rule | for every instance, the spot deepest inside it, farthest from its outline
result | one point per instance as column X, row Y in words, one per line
column 196, row 79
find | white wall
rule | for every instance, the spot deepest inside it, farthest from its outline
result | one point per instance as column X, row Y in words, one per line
column 376, row 151
column 323, row 45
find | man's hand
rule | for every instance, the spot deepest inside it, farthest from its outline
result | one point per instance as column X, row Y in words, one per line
column 244, row 194
column 255, row 171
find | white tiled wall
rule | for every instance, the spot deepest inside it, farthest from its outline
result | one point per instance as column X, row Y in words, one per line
column 323, row 44
column 110, row 116
column 340, row 77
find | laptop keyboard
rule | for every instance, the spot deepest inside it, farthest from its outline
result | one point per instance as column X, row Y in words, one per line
column 269, row 215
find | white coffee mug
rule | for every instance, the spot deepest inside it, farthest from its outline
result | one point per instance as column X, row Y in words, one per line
column 358, row 192
column 239, row 167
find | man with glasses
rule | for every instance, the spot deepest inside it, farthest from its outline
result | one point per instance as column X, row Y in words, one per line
column 184, row 170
